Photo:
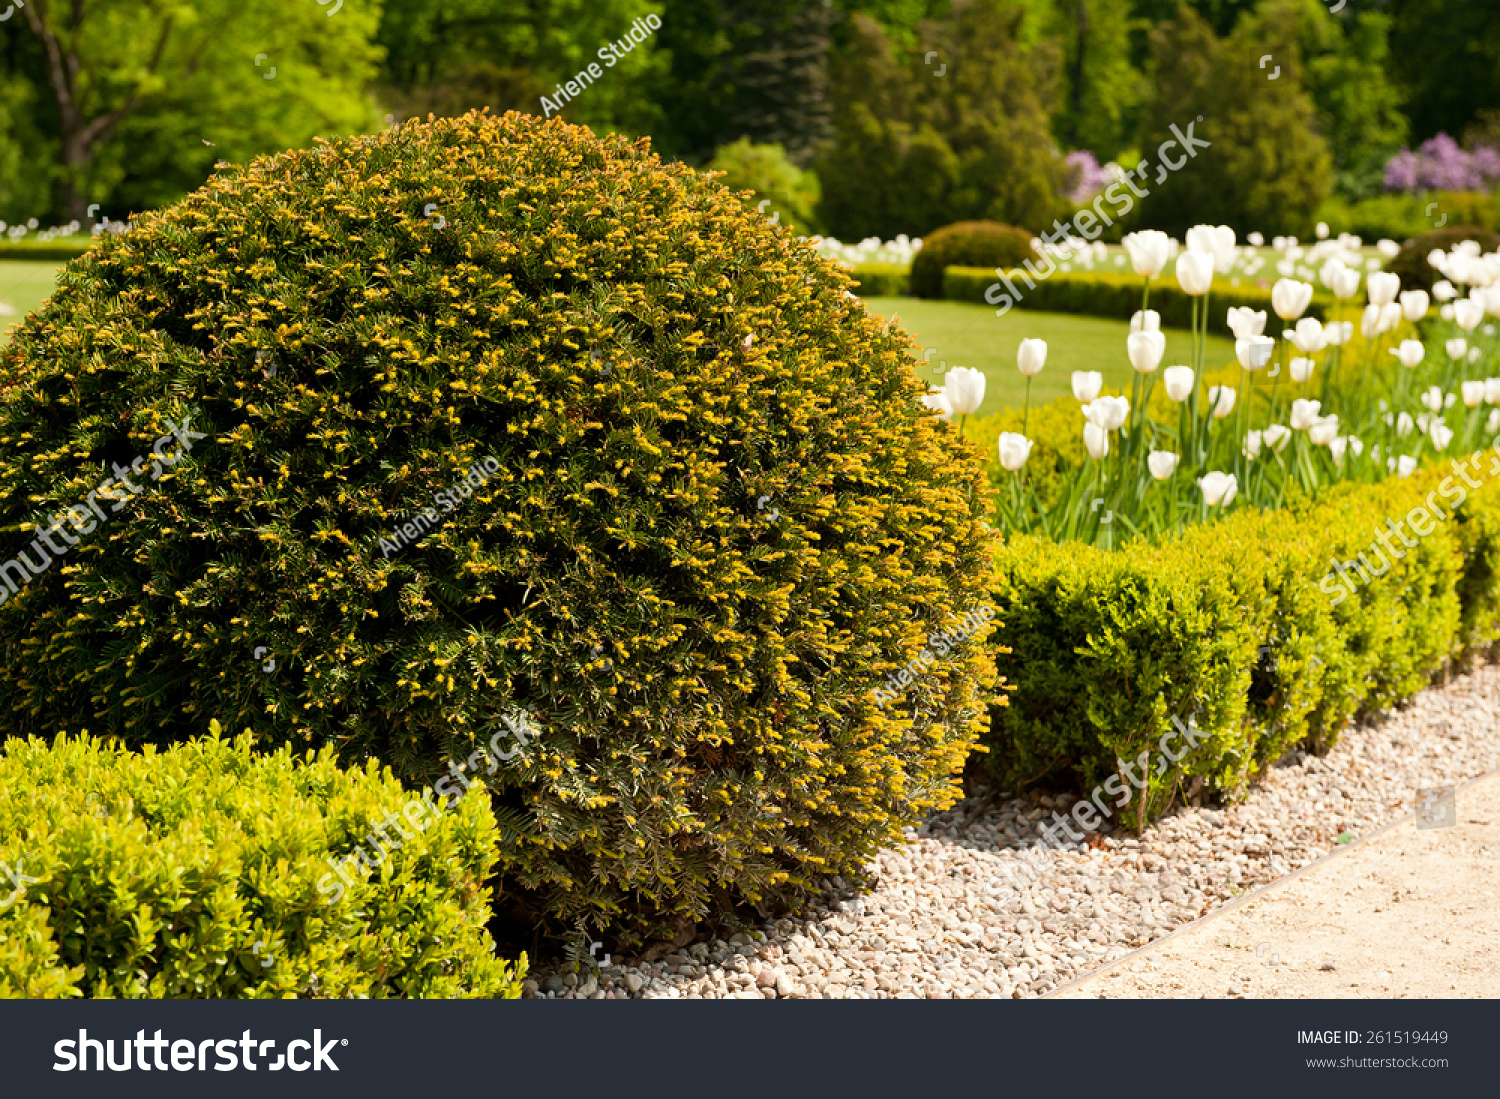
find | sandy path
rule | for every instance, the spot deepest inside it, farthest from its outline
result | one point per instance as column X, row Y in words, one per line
column 1409, row 913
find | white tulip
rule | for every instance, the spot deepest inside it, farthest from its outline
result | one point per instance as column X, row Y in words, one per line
column 1457, row 348
column 1277, row 436
column 1410, row 353
column 1336, row 448
column 1108, row 413
column 1468, row 313
column 937, row 400
column 1253, row 442
column 1301, row 369
column 1031, row 356
column 1304, row 414
column 1443, row 291
column 1014, row 450
column 1388, row 248
column 1150, row 321
column 1086, row 384
column 1195, row 272
column 1473, row 393
column 1321, row 229
column 1382, row 286
column 1255, row 352
column 1290, row 298
column 1145, row 350
column 1245, row 322
column 965, row 390
column 1446, row 312
column 1369, row 322
column 1221, row 400
column 1096, row 440
column 1308, row 336
column 1441, row 434
column 1492, row 391
column 1340, row 333
column 1404, row 425
column 1345, row 284
column 1161, row 463
column 1214, row 241
column 1474, row 355
column 1492, row 425
column 1390, row 316
column 1414, row 304
column 1218, row 488
column 1432, row 399
column 1148, row 251
column 1178, row 381
column 1257, row 239
column 1324, row 431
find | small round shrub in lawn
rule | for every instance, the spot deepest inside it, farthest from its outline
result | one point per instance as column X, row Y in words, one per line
column 1411, row 262
column 207, row 870
column 967, row 244
column 487, row 415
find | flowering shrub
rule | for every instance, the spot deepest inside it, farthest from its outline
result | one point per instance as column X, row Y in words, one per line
column 721, row 514
column 1086, row 178
column 1441, row 164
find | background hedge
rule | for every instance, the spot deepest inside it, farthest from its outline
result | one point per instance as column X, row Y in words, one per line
column 967, row 244
column 160, row 873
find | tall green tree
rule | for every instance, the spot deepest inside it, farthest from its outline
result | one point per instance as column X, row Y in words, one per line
column 1267, row 167
column 154, row 91
column 919, row 145
column 1447, row 60
column 1102, row 88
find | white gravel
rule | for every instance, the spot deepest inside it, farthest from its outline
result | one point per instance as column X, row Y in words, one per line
column 929, row 927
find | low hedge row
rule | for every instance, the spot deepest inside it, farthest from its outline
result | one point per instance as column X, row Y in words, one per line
column 49, row 250
column 881, row 280
column 206, row 870
column 1239, row 629
column 1107, row 294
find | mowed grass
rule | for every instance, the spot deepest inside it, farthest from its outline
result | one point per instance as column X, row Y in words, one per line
column 965, row 334
column 24, row 285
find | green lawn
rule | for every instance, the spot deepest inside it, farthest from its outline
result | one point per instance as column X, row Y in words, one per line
column 24, row 285
column 965, row 334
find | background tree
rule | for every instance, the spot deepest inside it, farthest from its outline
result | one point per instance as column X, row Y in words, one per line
column 915, row 150
column 1267, row 168
column 1447, row 61
column 124, row 78
column 768, row 172
column 1102, row 88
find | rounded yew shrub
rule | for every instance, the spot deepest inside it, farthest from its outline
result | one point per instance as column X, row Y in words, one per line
column 967, row 244
column 489, row 415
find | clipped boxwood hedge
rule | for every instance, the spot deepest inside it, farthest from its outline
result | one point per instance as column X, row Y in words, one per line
column 882, row 280
column 967, row 244
column 1235, row 626
column 59, row 250
column 719, row 515
column 184, row 872
column 1110, row 294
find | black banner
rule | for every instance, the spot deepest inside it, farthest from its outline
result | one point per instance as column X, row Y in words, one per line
column 813, row 1048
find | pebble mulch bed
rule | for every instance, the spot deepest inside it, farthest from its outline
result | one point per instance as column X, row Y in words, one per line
column 938, row 925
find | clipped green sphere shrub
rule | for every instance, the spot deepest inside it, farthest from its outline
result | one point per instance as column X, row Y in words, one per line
column 204, row 871
column 967, row 244
column 1411, row 262
column 500, row 415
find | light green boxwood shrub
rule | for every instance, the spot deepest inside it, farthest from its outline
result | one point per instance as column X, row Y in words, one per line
column 158, row 873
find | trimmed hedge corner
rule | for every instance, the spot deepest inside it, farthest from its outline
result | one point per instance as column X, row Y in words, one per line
column 1109, row 294
column 1235, row 629
column 716, row 515
column 881, row 280
column 204, row 871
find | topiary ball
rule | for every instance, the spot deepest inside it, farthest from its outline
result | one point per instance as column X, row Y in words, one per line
column 967, row 244
column 491, row 417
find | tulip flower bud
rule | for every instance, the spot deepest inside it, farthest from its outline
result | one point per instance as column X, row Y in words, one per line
column 1410, row 353
column 1219, row 489
column 1290, row 298
column 1382, row 286
column 1145, row 350
column 1031, row 356
column 1014, row 450
column 1414, row 305
column 1096, row 440
column 1161, row 463
column 1301, row 369
column 965, row 390
column 1473, row 393
column 1178, row 381
column 1221, row 398
column 1195, row 272
column 1086, row 384
column 937, row 400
